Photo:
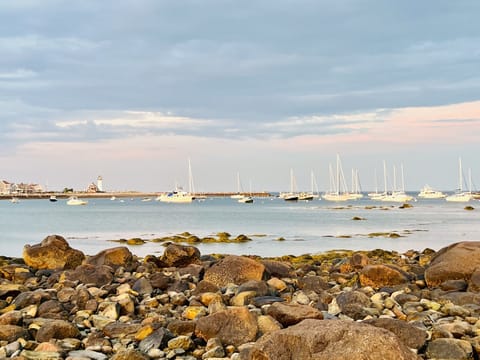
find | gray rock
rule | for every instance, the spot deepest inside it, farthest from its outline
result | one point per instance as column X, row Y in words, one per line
column 410, row 335
column 451, row 349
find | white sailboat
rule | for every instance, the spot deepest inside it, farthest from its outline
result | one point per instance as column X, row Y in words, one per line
column 239, row 194
column 313, row 194
column 460, row 195
column 335, row 182
column 397, row 195
column 246, row 199
column 356, row 192
column 374, row 194
column 292, row 195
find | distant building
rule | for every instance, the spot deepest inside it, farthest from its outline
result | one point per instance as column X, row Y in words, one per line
column 100, row 184
column 92, row 188
column 23, row 188
column 5, row 187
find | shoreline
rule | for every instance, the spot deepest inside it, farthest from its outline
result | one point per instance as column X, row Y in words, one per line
column 120, row 194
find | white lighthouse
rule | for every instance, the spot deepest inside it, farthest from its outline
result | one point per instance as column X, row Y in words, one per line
column 100, row 184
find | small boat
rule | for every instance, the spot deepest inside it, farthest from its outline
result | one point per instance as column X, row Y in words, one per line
column 305, row 196
column 460, row 195
column 338, row 186
column 14, row 200
column 73, row 200
column 428, row 193
column 113, row 198
column 246, row 200
column 53, row 198
column 145, row 199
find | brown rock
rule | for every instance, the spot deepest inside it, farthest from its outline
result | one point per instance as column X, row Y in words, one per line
column 90, row 274
column 181, row 327
column 52, row 309
column 11, row 318
column 378, row 276
column 233, row 326
column 410, row 335
column 114, row 257
column 329, row 339
column 52, row 253
column 278, row 268
column 10, row 333
column 313, row 283
column 129, row 354
column 160, row 281
column 180, row 255
column 290, row 314
column 234, row 269
column 120, row 330
column 455, row 262
column 474, row 283
column 56, row 329
column 352, row 304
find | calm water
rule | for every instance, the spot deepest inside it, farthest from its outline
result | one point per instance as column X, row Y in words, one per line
column 307, row 227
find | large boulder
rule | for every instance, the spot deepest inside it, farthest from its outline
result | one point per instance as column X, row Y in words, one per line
column 233, row 326
column 56, row 329
column 329, row 339
column 114, row 257
column 409, row 334
column 234, row 269
column 52, row 253
column 455, row 262
column 180, row 255
column 90, row 274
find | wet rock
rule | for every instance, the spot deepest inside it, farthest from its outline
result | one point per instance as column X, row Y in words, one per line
column 114, row 258
column 378, row 276
column 52, row 253
column 180, row 255
column 329, row 339
column 235, row 326
column 234, row 269
column 410, row 335
column 455, row 262
column 290, row 314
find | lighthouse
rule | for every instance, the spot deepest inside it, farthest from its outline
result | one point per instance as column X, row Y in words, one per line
column 100, row 184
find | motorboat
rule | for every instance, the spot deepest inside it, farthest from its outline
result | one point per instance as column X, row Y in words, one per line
column 74, row 200
column 428, row 193
column 14, row 200
column 176, row 196
column 53, row 198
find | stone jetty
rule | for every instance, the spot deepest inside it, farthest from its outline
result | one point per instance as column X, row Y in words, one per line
column 58, row 303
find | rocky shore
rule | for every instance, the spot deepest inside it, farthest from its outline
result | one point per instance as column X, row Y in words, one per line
column 58, row 303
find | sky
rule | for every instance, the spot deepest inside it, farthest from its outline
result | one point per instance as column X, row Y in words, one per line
column 133, row 90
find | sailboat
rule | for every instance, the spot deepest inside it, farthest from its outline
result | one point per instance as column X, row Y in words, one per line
column 246, row 199
column 239, row 194
column 179, row 195
column 460, row 195
column 356, row 193
column 335, row 181
column 374, row 194
column 397, row 195
column 313, row 194
column 292, row 195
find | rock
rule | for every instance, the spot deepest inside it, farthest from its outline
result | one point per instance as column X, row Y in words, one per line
column 233, row 326
column 180, row 255
column 234, row 269
column 156, row 340
column 11, row 333
column 451, row 349
column 259, row 288
column 410, row 335
column 313, row 283
column 90, row 274
column 114, row 257
column 11, row 318
column 455, row 262
column 278, row 268
column 52, row 253
column 119, row 330
column 290, row 314
column 142, row 286
column 329, row 339
column 352, row 304
column 56, row 329
column 181, row 327
column 160, row 281
column 474, row 282
column 129, row 354
column 378, row 276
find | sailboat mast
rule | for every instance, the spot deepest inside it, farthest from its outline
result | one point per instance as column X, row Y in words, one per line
column 191, row 187
column 403, row 179
column 385, row 175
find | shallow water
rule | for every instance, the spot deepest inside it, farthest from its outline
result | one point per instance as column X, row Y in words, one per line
column 307, row 227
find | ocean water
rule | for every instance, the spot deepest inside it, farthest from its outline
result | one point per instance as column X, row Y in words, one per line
column 306, row 227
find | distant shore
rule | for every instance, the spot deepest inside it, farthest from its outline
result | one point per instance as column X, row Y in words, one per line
column 119, row 194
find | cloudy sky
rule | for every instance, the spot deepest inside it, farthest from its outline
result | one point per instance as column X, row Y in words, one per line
column 131, row 90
